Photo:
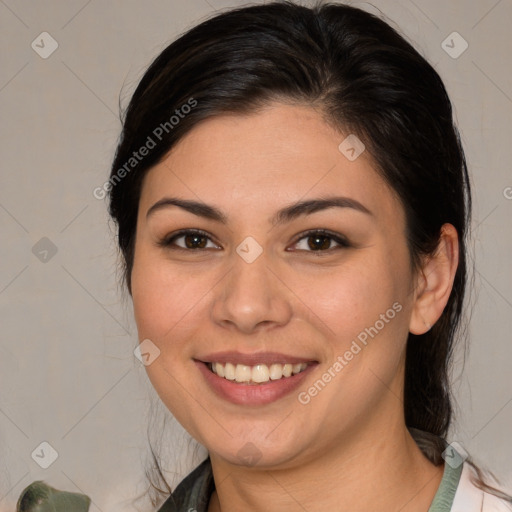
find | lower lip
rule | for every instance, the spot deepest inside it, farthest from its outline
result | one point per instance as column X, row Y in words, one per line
column 252, row 394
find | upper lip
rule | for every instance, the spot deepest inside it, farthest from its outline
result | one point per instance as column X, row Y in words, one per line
column 252, row 359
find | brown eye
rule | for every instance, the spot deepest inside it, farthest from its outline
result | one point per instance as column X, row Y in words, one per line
column 317, row 242
column 194, row 241
column 189, row 239
column 320, row 241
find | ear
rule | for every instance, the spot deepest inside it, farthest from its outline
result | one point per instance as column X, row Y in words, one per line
column 435, row 282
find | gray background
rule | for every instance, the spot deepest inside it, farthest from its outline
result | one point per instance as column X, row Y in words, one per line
column 68, row 375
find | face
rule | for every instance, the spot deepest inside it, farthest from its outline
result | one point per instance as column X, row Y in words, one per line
column 294, row 261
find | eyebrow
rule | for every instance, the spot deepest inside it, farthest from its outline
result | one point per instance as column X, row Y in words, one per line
column 286, row 214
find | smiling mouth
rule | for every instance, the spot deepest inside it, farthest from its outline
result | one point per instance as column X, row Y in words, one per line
column 257, row 374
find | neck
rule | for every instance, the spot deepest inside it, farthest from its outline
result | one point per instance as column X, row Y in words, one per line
column 384, row 471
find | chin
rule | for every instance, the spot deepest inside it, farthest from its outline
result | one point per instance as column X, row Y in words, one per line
column 260, row 453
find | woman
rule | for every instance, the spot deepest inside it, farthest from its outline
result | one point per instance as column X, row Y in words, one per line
column 294, row 245
column 292, row 203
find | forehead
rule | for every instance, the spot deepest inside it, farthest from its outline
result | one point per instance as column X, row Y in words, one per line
column 259, row 161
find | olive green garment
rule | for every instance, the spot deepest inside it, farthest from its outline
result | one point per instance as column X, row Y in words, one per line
column 40, row 497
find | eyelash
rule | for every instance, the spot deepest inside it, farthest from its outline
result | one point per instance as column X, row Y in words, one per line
column 168, row 242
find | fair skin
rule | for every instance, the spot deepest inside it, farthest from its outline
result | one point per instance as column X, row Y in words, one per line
column 347, row 449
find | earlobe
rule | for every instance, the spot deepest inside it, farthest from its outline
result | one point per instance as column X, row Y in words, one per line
column 435, row 282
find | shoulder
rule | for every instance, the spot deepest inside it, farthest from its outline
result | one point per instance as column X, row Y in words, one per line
column 470, row 498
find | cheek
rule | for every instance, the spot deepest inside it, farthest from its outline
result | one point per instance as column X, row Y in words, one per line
column 354, row 297
column 165, row 299
column 367, row 309
column 167, row 302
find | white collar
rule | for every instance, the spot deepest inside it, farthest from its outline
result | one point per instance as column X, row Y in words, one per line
column 469, row 498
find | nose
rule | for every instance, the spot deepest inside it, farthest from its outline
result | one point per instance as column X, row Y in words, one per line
column 251, row 298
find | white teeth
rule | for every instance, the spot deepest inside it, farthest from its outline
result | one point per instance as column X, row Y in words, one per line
column 276, row 371
column 259, row 373
column 229, row 371
column 219, row 369
column 287, row 370
column 242, row 373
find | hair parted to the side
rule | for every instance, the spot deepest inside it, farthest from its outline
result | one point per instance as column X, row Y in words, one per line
column 365, row 79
